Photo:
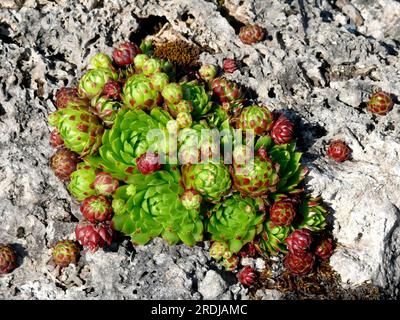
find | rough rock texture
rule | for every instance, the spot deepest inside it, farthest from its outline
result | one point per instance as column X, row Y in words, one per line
column 319, row 62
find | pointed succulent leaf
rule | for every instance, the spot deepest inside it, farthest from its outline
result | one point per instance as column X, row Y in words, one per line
column 291, row 172
column 314, row 214
column 272, row 239
column 197, row 95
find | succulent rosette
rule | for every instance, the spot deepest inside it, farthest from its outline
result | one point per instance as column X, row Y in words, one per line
column 67, row 97
column 299, row 241
column 93, row 81
column 184, row 120
column 106, row 109
column 235, row 221
column 257, row 118
column 210, row 179
column 197, row 95
column 140, row 60
column 151, row 66
column 282, row 130
column 313, row 213
column 125, row 53
column 139, row 93
column 208, row 72
column 172, row 94
column 291, row 171
column 151, row 206
column 159, row 80
column 272, row 239
column 227, row 91
column 105, row 184
column 247, row 276
column 64, row 163
column 251, row 33
column 65, row 252
column 299, row 265
column 80, row 129
column 129, row 138
column 183, row 160
column 220, row 250
column 380, row 103
column 8, row 258
column 282, row 212
column 148, row 162
column 229, row 65
column 81, row 184
column 101, row 61
column 96, row 209
column 338, row 150
column 146, row 46
column 112, row 90
column 94, row 236
column 254, row 177
column 196, row 143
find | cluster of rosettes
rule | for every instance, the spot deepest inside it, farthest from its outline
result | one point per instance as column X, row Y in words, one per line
column 126, row 179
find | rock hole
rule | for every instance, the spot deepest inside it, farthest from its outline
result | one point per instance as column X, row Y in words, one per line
column 279, row 38
column 326, row 104
column 73, row 218
column 318, row 131
column 72, row 72
column 20, row 232
column 134, row 291
column 147, row 26
column 271, row 93
column 370, row 127
column 26, row 80
column 4, row 33
column 51, row 78
column 326, row 16
column 109, row 38
column 98, row 4
column 390, row 127
column 88, row 290
column 187, row 16
column 58, row 57
column 91, row 41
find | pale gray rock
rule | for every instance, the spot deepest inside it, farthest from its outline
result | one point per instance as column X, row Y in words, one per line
column 212, row 286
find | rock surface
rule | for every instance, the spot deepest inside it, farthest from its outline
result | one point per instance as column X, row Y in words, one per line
column 318, row 62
